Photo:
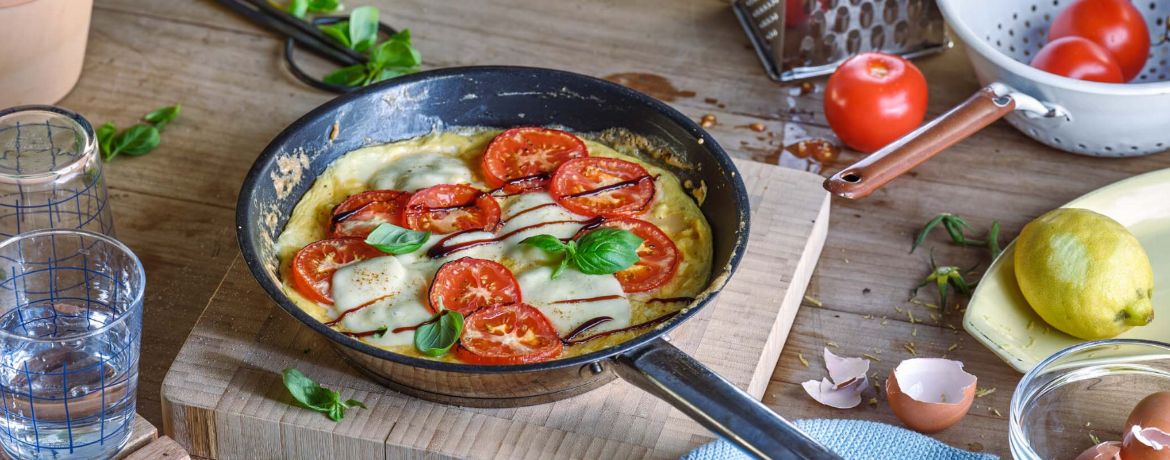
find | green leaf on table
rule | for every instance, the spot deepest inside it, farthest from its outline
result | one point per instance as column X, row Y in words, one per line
column 353, row 75
column 392, row 239
column 363, row 27
column 105, row 138
column 436, row 336
column 324, row 6
column 338, row 31
column 136, row 140
column 163, row 116
column 298, row 8
column 315, row 397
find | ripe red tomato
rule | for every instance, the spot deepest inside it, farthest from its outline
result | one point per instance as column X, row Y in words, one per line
column 466, row 285
column 596, row 186
column 873, row 99
column 450, row 208
column 360, row 214
column 519, row 157
column 508, row 334
column 658, row 257
column 313, row 265
column 1116, row 25
column 1078, row 58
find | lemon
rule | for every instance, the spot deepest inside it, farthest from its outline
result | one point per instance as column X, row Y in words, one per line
column 1084, row 273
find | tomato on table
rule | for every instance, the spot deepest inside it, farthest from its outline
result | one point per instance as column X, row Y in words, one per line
column 873, row 99
column 597, row 186
column 508, row 334
column 466, row 285
column 360, row 214
column 658, row 257
column 520, row 159
column 1116, row 25
column 313, row 265
column 1078, row 58
column 450, row 208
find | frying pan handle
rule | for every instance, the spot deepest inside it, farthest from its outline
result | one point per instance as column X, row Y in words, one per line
column 668, row 373
column 862, row 178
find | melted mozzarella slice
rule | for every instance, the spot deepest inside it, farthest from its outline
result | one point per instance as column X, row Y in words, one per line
column 392, row 297
column 548, row 295
column 532, row 209
column 419, row 171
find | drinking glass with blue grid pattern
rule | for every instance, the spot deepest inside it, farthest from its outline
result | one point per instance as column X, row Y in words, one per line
column 70, row 335
column 50, row 172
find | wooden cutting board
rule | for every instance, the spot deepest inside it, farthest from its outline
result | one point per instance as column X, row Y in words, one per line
column 223, row 396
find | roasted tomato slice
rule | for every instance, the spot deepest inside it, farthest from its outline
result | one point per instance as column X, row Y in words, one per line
column 658, row 256
column 508, row 334
column 360, row 214
column 466, row 285
column 602, row 186
column 450, row 208
column 313, row 265
column 521, row 159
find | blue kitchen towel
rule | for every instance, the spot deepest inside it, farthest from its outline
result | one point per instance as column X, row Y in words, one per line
column 854, row 440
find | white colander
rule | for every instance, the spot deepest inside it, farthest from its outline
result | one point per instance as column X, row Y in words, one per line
column 1089, row 118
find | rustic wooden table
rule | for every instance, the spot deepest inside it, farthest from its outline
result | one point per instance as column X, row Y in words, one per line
column 175, row 206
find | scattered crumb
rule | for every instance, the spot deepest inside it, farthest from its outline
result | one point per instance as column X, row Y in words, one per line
column 899, row 310
column 800, row 356
column 995, row 411
column 885, row 321
column 867, row 317
column 711, row 100
column 832, row 344
column 981, row 392
column 700, row 141
column 935, row 317
column 813, row 301
column 1088, row 424
column 757, row 127
column 1094, row 438
column 870, row 357
column 910, row 314
column 952, row 347
column 707, row 121
column 873, row 402
column 1031, row 341
column 975, row 447
column 914, row 333
column 1030, row 324
column 909, row 346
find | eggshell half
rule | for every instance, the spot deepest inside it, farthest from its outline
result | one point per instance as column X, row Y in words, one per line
column 1109, row 450
column 1145, row 444
column 930, row 394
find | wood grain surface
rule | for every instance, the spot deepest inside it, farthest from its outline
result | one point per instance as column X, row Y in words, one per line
column 174, row 207
column 223, row 397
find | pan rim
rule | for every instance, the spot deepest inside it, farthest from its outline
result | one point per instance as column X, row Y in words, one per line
column 974, row 43
column 246, row 208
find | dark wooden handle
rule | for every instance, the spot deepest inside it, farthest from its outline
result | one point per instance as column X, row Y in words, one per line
column 870, row 173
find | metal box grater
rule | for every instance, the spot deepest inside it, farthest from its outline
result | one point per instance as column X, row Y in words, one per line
column 797, row 39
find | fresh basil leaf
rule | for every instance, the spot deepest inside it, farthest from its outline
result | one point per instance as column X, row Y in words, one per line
column 546, row 243
column 363, row 27
column 136, row 140
column 338, row 31
column 392, row 239
column 314, row 397
column 324, row 6
column 396, row 52
column 163, row 116
column 105, row 138
column 560, row 267
column 606, row 250
column 298, row 8
column 436, row 337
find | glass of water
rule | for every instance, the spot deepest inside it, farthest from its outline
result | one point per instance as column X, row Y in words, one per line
column 70, row 336
column 50, row 172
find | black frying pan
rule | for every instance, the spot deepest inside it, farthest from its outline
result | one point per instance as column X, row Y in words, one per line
column 505, row 97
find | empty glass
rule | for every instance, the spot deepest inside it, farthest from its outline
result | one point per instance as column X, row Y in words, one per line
column 70, row 335
column 50, row 172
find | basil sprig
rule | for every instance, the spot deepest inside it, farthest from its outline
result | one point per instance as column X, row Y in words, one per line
column 392, row 239
column 599, row 252
column 391, row 58
column 136, row 140
column 436, row 336
column 315, row 397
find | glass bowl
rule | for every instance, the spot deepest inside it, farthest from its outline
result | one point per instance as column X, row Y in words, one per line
column 1084, row 393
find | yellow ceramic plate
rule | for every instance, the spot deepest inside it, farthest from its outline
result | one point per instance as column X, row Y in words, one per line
column 1000, row 318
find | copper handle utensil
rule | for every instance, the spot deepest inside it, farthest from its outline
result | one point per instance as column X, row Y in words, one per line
column 870, row 173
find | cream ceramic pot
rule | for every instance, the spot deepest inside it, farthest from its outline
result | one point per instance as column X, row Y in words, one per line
column 44, row 46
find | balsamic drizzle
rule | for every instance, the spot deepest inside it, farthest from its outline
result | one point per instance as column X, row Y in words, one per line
column 587, row 325
column 590, row 299
column 571, row 340
column 354, row 309
column 441, row 249
column 611, row 187
column 416, row 326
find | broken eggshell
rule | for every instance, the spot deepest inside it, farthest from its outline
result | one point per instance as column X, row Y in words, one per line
column 1109, row 450
column 1145, row 444
column 930, row 394
column 847, row 380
